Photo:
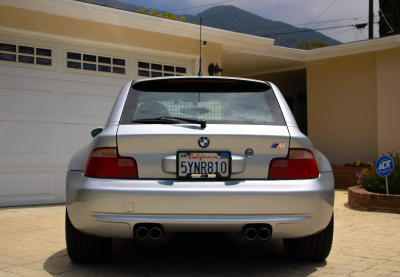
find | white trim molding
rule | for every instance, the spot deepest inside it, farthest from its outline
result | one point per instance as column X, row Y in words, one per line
column 353, row 48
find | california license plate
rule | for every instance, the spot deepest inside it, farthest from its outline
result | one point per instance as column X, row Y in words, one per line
column 203, row 164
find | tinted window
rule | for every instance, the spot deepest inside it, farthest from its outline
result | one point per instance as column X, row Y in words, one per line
column 104, row 68
column 169, row 68
column 25, row 59
column 143, row 65
column 119, row 70
column 73, row 56
column 26, row 50
column 118, row 61
column 43, row 61
column 76, row 65
column 144, row 73
column 89, row 66
column 8, row 47
column 180, row 70
column 104, row 60
column 89, row 58
column 156, row 74
column 8, row 57
column 156, row 66
column 43, row 52
column 230, row 102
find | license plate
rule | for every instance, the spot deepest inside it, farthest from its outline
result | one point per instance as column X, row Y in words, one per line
column 203, row 164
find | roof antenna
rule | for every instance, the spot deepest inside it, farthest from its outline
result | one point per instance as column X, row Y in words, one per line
column 200, row 74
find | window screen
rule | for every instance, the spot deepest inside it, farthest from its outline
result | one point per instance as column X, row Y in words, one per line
column 221, row 105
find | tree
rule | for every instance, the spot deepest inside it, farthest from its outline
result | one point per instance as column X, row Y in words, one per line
column 140, row 11
column 167, row 15
column 308, row 45
column 391, row 11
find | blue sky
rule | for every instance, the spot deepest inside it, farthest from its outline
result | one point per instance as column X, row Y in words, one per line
column 289, row 11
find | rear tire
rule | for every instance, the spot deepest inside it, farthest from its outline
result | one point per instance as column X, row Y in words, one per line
column 84, row 248
column 312, row 248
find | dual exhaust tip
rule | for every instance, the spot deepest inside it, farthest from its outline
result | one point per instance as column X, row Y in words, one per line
column 262, row 233
column 153, row 233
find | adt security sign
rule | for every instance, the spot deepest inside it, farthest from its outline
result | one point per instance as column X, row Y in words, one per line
column 384, row 166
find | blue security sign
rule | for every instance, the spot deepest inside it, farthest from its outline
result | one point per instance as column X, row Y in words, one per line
column 384, row 166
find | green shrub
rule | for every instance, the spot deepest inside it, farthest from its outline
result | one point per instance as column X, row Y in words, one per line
column 371, row 181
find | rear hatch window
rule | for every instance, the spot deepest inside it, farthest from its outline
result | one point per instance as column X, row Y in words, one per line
column 218, row 101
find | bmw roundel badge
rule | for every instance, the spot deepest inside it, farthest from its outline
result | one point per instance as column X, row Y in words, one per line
column 249, row 152
column 204, row 142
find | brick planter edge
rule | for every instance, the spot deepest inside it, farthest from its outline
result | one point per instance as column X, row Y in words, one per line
column 345, row 176
column 364, row 200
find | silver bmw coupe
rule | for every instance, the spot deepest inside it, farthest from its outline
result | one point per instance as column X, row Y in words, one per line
column 199, row 154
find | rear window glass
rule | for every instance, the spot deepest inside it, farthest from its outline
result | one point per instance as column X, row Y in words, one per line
column 231, row 102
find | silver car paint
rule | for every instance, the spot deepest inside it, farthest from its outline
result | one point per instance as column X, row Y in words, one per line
column 138, row 141
column 294, row 208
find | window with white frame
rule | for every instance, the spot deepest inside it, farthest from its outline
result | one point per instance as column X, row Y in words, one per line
column 151, row 70
column 95, row 63
column 25, row 54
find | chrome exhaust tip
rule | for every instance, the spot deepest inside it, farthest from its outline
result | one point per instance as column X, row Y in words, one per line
column 264, row 234
column 142, row 233
column 155, row 233
column 251, row 234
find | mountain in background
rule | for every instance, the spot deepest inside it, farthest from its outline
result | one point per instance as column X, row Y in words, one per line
column 231, row 18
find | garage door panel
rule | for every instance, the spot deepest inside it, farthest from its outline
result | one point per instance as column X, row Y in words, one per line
column 27, row 185
column 27, row 143
column 27, row 99
column 60, row 178
column 71, row 138
column 86, row 103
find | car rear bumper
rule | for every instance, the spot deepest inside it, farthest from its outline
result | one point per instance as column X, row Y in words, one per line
column 103, row 207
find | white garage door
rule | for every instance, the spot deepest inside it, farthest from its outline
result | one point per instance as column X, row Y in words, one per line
column 48, row 110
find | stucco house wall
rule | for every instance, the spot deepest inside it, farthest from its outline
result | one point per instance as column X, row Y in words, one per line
column 342, row 110
column 353, row 105
column 388, row 87
column 53, row 24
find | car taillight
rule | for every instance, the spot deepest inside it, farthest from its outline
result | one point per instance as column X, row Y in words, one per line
column 105, row 163
column 299, row 164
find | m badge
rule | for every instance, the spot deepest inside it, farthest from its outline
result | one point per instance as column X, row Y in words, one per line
column 278, row 145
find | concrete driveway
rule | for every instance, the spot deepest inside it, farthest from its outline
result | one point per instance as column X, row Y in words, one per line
column 32, row 244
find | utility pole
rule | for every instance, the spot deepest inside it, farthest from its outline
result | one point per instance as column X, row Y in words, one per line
column 371, row 20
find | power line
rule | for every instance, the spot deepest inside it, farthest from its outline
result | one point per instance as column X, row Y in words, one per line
column 310, row 30
column 311, row 21
column 290, row 25
column 355, row 33
column 202, row 6
column 361, row 31
column 341, row 32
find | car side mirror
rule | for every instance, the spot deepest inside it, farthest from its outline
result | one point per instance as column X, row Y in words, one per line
column 96, row 131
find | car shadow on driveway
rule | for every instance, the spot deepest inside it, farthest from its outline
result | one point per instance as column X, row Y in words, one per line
column 188, row 255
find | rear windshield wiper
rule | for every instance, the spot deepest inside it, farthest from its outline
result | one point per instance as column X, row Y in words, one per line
column 167, row 119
